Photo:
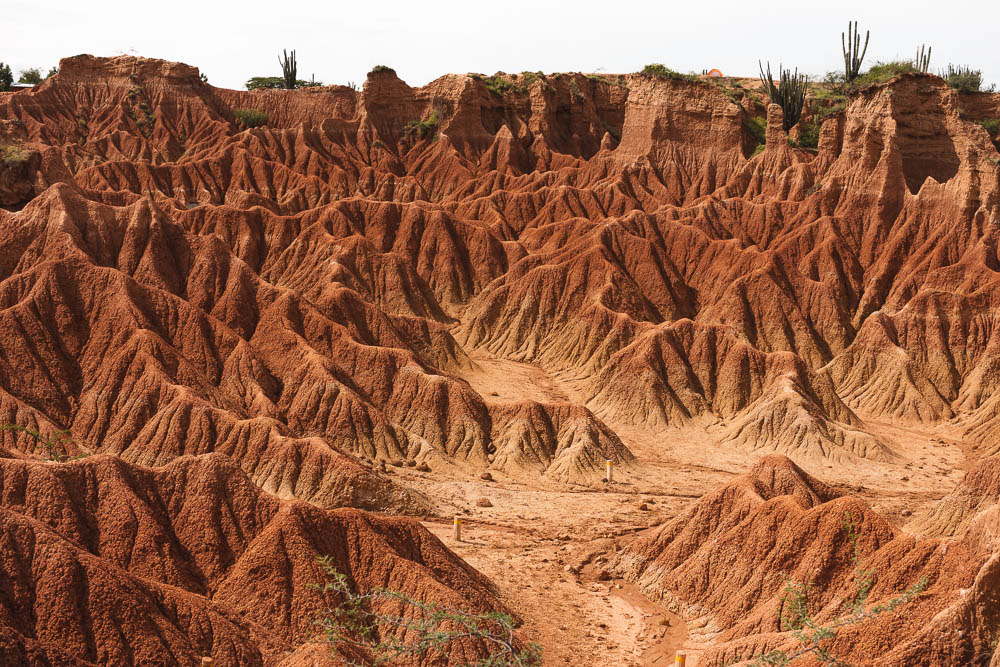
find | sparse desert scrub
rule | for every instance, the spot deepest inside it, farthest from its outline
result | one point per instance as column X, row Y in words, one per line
column 251, row 117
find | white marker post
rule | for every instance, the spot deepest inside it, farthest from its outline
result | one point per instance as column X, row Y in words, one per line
column 206, row 662
column 458, row 529
column 609, row 471
column 681, row 659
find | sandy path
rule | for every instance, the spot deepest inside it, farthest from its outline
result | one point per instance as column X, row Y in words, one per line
column 555, row 586
column 545, row 544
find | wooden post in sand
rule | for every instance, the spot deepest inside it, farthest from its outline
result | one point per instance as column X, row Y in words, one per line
column 681, row 659
column 609, row 471
column 206, row 662
column 457, row 529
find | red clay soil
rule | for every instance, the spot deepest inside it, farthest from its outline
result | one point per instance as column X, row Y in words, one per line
column 324, row 275
column 527, row 280
column 106, row 562
column 724, row 564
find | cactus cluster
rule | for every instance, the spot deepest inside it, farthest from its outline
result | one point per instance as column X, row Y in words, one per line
column 923, row 60
column 289, row 69
column 853, row 53
column 789, row 94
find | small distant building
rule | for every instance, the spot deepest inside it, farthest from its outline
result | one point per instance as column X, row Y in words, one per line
column 714, row 74
column 17, row 85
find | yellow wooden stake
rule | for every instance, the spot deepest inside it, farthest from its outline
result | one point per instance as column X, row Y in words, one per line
column 206, row 662
column 681, row 659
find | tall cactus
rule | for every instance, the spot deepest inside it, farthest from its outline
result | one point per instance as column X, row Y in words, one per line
column 853, row 53
column 289, row 69
column 923, row 61
column 789, row 94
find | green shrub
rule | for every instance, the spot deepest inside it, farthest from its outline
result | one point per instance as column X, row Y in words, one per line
column 529, row 78
column 251, row 117
column 423, row 128
column 264, row 82
column 32, row 75
column 991, row 125
column 426, row 629
column 809, row 134
column 574, row 90
column 52, row 444
column 381, row 68
column 734, row 95
column 817, row 640
column 6, row 77
column 834, row 79
column 276, row 83
column 963, row 78
column 832, row 87
column 758, row 130
column 826, row 112
column 497, row 85
column 881, row 71
column 13, row 154
column 617, row 81
column 757, row 126
column 661, row 71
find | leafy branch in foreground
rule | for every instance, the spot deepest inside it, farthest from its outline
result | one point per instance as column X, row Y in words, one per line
column 429, row 627
column 814, row 639
column 52, row 444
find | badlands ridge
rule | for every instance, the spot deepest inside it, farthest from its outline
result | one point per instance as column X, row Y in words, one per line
column 264, row 344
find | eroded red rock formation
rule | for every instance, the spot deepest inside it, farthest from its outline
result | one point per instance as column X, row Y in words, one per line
column 325, row 274
column 106, row 562
column 309, row 297
column 725, row 563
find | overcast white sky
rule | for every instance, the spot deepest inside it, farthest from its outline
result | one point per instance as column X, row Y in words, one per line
column 423, row 39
